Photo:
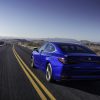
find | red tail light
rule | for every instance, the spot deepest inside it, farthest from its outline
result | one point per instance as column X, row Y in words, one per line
column 62, row 60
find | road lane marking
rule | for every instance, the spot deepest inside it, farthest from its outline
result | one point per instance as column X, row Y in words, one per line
column 34, row 76
column 42, row 96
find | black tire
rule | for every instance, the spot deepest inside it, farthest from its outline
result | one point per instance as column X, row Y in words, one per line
column 49, row 73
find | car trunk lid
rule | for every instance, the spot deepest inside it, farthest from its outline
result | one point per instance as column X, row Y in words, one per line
column 86, row 60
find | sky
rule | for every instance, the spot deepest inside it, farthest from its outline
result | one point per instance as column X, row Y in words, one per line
column 77, row 19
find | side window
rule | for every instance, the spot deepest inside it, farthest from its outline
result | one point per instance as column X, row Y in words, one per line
column 42, row 47
column 50, row 48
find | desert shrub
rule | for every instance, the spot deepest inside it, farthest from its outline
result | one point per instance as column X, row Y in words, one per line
column 96, row 50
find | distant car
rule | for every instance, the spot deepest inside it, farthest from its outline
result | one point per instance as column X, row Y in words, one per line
column 62, row 61
column 2, row 43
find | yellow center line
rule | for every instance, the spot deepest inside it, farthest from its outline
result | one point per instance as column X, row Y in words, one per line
column 38, row 81
column 42, row 96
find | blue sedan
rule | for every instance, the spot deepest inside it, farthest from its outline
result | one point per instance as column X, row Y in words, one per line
column 61, row 61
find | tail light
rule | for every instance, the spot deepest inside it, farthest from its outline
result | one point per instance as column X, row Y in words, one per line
column 68, row 61
column 62, row 60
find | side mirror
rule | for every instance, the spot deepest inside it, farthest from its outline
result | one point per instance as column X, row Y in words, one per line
column 35, row 49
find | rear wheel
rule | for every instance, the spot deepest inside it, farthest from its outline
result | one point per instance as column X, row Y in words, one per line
column 49, row 73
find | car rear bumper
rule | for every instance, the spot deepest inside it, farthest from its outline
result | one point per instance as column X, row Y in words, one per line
column 76, row 71
column 70, row 73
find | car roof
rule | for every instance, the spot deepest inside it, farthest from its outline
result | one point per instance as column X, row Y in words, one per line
column 57, row 43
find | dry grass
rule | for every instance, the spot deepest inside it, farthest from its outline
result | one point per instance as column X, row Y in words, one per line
column 95, row 48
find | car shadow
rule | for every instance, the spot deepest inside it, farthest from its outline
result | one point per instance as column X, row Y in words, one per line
column 90, row 86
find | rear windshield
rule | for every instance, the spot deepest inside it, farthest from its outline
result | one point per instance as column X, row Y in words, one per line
column 74, row 49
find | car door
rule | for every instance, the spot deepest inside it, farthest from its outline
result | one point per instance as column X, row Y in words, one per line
column 37, row 55
column 46, row 53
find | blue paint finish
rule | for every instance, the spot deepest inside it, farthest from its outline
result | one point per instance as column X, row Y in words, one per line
column 77, row 65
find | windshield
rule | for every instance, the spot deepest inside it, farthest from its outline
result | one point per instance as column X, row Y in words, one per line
column 75, row 49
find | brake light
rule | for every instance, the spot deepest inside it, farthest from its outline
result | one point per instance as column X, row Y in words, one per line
column 62, row 60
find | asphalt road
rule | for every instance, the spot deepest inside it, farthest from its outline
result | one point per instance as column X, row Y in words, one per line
column 15, row 85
